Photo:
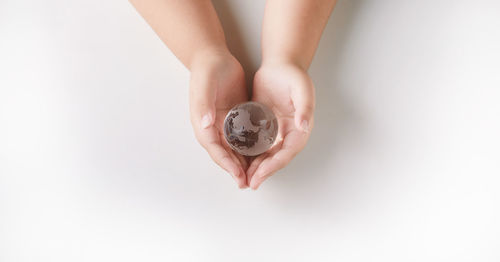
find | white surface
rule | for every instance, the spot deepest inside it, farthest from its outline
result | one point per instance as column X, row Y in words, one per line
column 98, row 161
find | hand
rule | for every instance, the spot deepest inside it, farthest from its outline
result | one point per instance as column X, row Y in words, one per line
column 217, row 84
column 288, row 90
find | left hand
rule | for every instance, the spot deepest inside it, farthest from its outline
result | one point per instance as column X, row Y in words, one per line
column 288, row 91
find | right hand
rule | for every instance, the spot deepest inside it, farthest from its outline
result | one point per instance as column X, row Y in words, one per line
column 288, row 90
column 217, row 84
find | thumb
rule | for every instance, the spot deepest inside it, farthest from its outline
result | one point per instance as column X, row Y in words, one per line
column 202, row 103
column 303, row 101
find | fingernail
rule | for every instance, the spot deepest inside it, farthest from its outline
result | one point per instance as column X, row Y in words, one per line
column 254, row 185
column 205, row 121
column 305, row 126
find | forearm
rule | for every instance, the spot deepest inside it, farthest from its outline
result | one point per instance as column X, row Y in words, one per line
column 190, row 28
column 292, row 30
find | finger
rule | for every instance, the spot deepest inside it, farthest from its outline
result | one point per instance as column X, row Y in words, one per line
column 224, row 159
column 237, row 157
column 209, row 138
column 293, row 143
column 303, row 99
column 258, row 160
column 242, row 180
column 243, row 161
column 240, row 161
column 254, row 165
column 202, row 95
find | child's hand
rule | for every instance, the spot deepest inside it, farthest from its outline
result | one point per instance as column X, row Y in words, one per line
column 217, row 84
column 193, row 32
column 288, row 90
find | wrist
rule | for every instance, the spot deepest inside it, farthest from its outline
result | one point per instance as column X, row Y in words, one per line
column 285, row 60
column 208, row 55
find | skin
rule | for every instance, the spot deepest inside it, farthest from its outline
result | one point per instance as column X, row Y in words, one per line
column 192, row 30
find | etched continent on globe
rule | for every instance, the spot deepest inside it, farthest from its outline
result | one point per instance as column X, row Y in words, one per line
column 250, row 128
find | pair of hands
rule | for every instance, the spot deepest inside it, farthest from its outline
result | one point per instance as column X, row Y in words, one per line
column 217, row 84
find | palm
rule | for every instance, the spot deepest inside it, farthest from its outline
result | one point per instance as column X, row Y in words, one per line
column 281, row 88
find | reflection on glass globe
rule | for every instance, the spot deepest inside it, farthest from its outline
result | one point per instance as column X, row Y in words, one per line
column 250, row 128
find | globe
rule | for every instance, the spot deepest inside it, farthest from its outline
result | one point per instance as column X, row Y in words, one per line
column 250, row 128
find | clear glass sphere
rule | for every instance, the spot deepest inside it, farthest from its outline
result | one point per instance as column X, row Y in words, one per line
column 250, row 128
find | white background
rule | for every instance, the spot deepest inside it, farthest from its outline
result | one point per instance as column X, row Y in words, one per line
column 98, row 161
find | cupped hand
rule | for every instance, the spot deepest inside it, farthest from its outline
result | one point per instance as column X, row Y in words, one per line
column 217, row 84
column 288, row 90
